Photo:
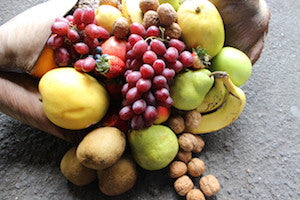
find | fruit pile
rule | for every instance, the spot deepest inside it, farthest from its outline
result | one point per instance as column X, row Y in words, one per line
column 150, row 70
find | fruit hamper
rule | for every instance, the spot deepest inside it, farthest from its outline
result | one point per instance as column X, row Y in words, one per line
column 148, row 76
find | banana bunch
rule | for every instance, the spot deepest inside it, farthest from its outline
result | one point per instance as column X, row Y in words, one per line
column 223, row 105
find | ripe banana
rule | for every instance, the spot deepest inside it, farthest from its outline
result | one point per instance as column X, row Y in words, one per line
column 215, row 97
column 131, row 11
column 225, row 115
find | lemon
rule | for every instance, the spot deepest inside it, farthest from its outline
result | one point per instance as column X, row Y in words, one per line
column 71, row 99
column 106, row 15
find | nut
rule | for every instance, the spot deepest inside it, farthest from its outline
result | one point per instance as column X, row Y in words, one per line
column 177, row 169
column 113, row 3
column 176, row 123
column 187, row 141
column 146, row 5
column 121, row 28
column 173, row 31
column 196, row 167
column 199, row 144
column 183, row 185
column 184, row 156
column 209, row 185
column 192, row 119
column 195, row 194
column 150, row 18
column 166, row 14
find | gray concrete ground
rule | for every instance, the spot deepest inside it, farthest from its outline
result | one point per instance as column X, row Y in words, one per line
column 257, row 157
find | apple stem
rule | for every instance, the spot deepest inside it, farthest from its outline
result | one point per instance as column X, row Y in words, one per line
column 198, row 10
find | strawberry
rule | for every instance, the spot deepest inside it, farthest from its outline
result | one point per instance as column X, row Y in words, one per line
column 112, row 119
column 114, row 46
column 110, row 66
column 114, row 86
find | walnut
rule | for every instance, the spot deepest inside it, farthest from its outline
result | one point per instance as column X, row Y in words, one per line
column 187, row 141
column 150, row 18
column 176, row 123
column 192, row 119
column 184, row 156
column 196, row 167
column 166, row 14
column 195, row 194
column 199, row 144
column 177, row 169
column 209, row 185
column 146, row 5
column 173, row 31
column 121, row 28
column 183, row 185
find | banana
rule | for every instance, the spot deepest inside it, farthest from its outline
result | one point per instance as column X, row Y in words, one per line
column 215, row 97
column 225, row 115
column 131, row 11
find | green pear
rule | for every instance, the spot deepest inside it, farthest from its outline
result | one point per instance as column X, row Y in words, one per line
column 174, row 3
column 189, row 88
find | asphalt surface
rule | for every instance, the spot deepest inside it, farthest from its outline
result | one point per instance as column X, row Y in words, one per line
column 257, row 157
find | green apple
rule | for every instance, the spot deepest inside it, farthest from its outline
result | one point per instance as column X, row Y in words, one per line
column 174, row 3
column 235, row 62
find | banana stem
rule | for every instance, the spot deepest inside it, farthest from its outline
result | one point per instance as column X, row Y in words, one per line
column 219, row 74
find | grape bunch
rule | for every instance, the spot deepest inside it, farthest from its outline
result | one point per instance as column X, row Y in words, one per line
column 75, row 36
column 151, row 64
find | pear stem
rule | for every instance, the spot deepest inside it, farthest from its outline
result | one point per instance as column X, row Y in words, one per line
column 198, row 10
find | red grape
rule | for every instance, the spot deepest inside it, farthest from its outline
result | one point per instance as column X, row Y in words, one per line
column 62, row 19
column 127, row 72
column 149, row 57
column 70, row 18
column 137, row 122
column 147, row 71
column 77, row 16
column 81, row 48
column 177, row 66
column 159, row 81
column 168, row 73
column 139, row 106
column 137, row 28
column 78, row 64
column 92, row 43
column 150, row 114
column 125, row 102
column 167, row 103
column 129, row 54
column 153, row 31
column 55, row 41
column 136, row 64
column 127, row 64
column 158, row 66
column 89, row 64
column 149, row 97
column 88, row 16
column 94, row 31
column 134, row 38
column 62, row 56
column 125, row 89
column 73, row 35
column 171, row 54
column 186, row 58
column 139, row 48
column 179, row 45
column 162, row 94
column 126, row 113
column 143, row 85
column 158, row 47
column 133, row 77
column 128, row 46
column 60, row 28
column 132, row 95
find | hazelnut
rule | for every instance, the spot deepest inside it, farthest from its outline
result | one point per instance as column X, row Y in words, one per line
column 176, row 123
column 150, row 18
column 187, row 141
column 196, row 167
column 177, row 169
column 183, row 185
column 195, row 194
column 173, row 31
column 166, row 14
column 199, row 144
column 113, row 3
column 192, row 119
column 121, row 28
column 184, row 156
column 209, row 185
column 146, row 5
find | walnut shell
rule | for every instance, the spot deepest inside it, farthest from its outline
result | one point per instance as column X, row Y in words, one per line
column 150, row 18
column 187, row 141
column 195, row 194
column 209, row 185
column 196, row 167
column 183, row 185
column 121, row 28
column 173, row 31
column 184, row 156
column 166, row 14
column 192, row 119
column 146, row 5
column 176, row 123
column 199, row 144
column 177, row 169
